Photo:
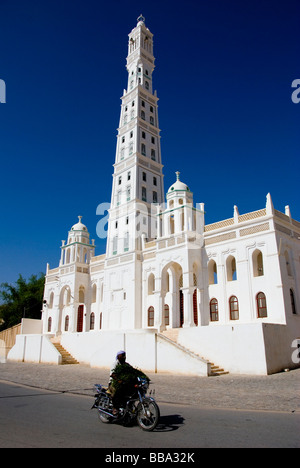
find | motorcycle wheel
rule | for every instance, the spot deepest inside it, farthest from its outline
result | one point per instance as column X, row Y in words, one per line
column 148, row 415
column 104, row 417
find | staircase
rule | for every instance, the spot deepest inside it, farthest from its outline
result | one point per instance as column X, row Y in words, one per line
column 67, row 358
column 172, row 336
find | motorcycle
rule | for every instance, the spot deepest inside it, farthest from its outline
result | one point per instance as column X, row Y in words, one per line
column 136, row 406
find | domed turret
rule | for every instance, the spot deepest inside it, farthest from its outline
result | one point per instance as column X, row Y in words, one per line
column 179, row 194
column 79, row 226
column 178, row 186
column 78, row 247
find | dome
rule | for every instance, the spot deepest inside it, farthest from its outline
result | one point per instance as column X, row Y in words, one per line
column 178, row 185
column 79, row 226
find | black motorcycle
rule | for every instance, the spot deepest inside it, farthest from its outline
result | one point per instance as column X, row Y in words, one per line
column 136, row 406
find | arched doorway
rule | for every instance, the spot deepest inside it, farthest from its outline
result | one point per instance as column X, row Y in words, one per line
column 171, row 286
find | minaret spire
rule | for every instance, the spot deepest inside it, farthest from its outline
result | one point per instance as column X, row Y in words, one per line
column 138, row 177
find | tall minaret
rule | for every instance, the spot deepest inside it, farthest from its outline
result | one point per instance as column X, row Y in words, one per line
column 137, row 178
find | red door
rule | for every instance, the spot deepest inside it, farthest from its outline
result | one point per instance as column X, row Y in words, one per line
column 195, row 306
column 181, row 309
column 80, row 319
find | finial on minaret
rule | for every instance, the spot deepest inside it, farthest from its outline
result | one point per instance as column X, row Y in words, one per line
column 141, row 19
column 80, row 218
column 177, row 175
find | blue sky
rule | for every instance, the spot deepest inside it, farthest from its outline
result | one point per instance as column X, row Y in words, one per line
column 223, row 74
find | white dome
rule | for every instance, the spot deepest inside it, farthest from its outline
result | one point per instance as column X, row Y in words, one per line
column 79, row 226
column 178, row 185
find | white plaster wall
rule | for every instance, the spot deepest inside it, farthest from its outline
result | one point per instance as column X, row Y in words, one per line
column 34, row 348
column 31, row 327
column 238, row 348
column 144, row 350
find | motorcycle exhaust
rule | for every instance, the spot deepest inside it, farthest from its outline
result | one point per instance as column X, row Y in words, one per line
column 107, row 413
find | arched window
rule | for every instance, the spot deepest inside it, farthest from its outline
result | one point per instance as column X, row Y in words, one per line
column 92, row 321
column 50, row 305
column 234, row 308
column 66, row 297
column 212, row 272
column 258, row 264
column 81, row 294
column 68, row 256
column 49, row 324
column 100, row 324
column 214, row 310
column 231, row 268
column 67, row 321
column 167, row 314
column 151, row 284
column 293, row 302
column 94, row 293
column 261, row 305
column 151, row 316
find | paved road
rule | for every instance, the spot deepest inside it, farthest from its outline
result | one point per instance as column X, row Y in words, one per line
column 279, row 392
column 31, row 417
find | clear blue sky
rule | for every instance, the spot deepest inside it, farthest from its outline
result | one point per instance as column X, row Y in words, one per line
column 223, row 74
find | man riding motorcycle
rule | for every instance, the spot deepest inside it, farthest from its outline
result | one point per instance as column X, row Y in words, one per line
column 122, row 380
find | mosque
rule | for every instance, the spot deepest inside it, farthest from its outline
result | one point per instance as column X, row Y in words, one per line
column 178, row 295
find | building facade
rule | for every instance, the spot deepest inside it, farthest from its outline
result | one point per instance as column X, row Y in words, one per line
column 228, row 291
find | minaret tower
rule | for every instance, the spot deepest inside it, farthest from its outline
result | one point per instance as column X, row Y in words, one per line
column 137, row 178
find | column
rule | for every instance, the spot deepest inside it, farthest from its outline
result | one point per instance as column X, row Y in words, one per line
column 188, row 307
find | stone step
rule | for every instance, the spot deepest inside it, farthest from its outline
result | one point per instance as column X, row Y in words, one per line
column 67, row 358
column 172, row 335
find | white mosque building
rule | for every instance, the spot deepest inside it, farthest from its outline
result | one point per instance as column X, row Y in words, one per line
column 177, row 294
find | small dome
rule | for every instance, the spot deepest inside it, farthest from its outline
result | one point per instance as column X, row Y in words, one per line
column 178, row 185
column 79, row 226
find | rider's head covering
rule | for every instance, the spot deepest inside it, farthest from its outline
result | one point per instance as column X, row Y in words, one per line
column 120, row 353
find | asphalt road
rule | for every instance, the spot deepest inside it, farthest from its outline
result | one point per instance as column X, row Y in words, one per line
column 33, row 418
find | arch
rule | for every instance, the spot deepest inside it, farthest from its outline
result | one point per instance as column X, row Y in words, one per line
column 151, row 316
column 80, row 319
column 68, row 254
column 258, row 263
column 234, row 308
column 94, row 293
column 231, row 268
column 65, row 296
column 171, row 284
column 49, row 324
column 261, row 304
column 81, row 294
column 151, row 284
column 212, row 272
column 214, row 310
column 51, row 300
